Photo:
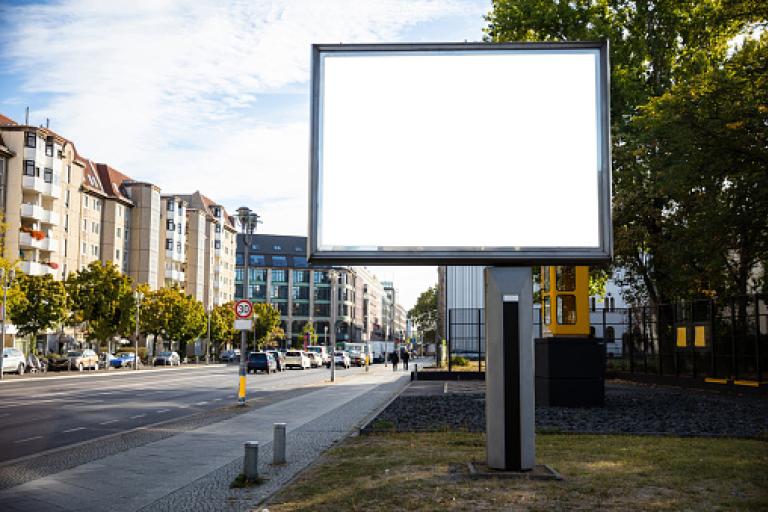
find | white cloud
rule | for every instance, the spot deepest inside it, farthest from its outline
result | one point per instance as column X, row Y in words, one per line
column 202, row 95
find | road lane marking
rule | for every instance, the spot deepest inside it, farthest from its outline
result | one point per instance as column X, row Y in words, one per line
column 28, row 439
column 138, row 416
column 201, row 403
column 73, row 429
column 108, row 422
column 217, row 399
column 162, row 411
column 5, row 414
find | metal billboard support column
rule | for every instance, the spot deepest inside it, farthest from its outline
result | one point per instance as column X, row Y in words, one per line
column 509, row 369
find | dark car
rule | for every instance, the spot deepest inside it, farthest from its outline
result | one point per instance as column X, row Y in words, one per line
column 279, row 359
column 167, row 359
column 230, row 356
column 261, row 362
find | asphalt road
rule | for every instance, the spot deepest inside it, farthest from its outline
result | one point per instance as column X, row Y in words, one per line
column 39, row 415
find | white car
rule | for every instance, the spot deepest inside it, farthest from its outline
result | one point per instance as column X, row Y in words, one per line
column 341, row 358
column 323, row 351
column 297, row 359
column 13, row 361
column 315, row 359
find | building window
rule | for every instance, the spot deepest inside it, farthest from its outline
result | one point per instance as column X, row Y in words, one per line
column 257, row 291
column 322, row 310
column 217, row 212
column 257, row 275
column 48, row 175
column 119, row 233
column 279, row 261
column 95, row 250
column 84, row 249
column 300, row 293
column 300, row 309
column 239, row 273
column 95, row 228
column 178, row 228
column 29, row 167
column 239, row 259
column 85, row 224
column 49, row 146
column 85, row 201
column 169, row 244
column 30, row 140
column 169, row 225
column 279, row 276
column 178, row 247
column 217, row 244
column 66, row 198
column 300, row 276
column 97, row 205
column 321, row 277
column 277, row 248
column 256, row 260
column 300, row 262
column 69, row 174
column 117, row 254
column 180, row 207
column 170, row 205
column 322, row 294
column 218, row 228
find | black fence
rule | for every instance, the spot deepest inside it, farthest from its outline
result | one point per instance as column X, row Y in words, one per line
column 721, row 338
column 710, row 338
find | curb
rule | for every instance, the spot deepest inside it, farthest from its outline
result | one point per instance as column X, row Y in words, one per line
column 101, row 373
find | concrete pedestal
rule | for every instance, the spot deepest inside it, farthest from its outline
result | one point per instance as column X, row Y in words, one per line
column 570, row 372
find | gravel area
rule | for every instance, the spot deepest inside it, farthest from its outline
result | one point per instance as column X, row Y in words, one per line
column 304, row 444
column 629, row 409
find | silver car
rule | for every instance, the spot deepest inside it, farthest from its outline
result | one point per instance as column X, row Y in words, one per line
column 13, row 361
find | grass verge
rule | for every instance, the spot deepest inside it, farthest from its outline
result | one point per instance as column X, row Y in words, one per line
column 424, row 471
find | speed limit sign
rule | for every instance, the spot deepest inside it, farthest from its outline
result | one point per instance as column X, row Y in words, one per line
column 243, row 309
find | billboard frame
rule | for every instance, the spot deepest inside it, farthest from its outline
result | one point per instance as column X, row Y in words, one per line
column 498, row 256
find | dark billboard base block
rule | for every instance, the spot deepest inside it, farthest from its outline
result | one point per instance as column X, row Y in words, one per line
column 570, row 372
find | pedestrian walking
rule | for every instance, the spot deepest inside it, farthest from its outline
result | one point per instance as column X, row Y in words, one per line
column 406, row 358
column 395, row 359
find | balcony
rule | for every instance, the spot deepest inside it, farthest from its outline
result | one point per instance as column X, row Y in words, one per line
column 174, row 275
column 32, row 211
column 27, row 241
column 41, row 186
column 32, row 268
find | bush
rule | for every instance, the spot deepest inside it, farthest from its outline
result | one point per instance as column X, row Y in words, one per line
column 459, row 361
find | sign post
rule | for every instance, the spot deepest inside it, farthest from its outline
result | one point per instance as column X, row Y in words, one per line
column 243, row 323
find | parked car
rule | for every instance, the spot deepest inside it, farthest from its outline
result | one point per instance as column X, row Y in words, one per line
column 297, row 359
column 261, row 362
column 315, row 359
column 341, row 358
column 279, row 359
column 230, row 356
column 124, row 360
column 13, row 361
column 323, row 351
column 167, row 359
column 105, row 360
column 379, row 358
column 75, row 360
column 357, row 358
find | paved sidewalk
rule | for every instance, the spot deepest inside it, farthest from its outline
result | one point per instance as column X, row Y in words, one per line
column 156, row 475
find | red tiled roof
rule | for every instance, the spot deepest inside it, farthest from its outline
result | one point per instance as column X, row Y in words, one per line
column 91, row 178
column 7, row 121
column 112, row 180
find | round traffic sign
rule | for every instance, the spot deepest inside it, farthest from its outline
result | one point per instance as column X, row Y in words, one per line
column 243, row 309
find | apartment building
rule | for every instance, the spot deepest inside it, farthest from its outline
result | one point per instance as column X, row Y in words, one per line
column 116, row 218
column 173, row 253
column 211, row 246
column 42, row 199
column 371, row 305
column 274, row 269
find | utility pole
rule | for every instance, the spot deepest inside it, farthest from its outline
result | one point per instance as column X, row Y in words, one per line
column 7, row 282
column 249, row 220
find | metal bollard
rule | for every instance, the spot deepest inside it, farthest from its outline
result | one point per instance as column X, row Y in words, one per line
column 416, row 371
column 251, row 460
column 278, row 444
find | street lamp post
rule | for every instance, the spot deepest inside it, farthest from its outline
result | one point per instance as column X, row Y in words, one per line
column 208, row 343
column 7, row 282
column 332, row 274
column 249, row 220
column 139, row 297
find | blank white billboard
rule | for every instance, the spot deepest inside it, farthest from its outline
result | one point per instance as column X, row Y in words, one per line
column 490, row 153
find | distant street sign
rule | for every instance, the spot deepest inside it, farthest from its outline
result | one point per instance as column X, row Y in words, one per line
column 243, row 324
column 243, row 309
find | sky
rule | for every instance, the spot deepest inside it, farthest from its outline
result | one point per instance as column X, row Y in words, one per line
column 208, row 95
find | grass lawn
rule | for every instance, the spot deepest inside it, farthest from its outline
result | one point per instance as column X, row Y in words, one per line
column 408, row 471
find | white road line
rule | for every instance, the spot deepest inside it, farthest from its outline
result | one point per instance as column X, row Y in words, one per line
column 183, row 407
column 73, row 429
column 162, row 411
column 28, row 439
column 217, row 399
column 5, row 414
column 138, row 416
column 108, row 422
column 201, row 403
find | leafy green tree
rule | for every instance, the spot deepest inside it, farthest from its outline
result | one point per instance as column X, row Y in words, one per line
column 424, row 313
column 266, row 325
column 102, row 298
column 40, row 305
column 654, row 45
column 223, row 324
column 307, row 330
column 174, row 316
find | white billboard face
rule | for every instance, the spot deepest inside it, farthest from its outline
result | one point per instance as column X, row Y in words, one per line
column 486, row 154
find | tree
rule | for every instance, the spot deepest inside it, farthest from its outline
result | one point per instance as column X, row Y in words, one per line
column 223, row 324
column 654, row 45
column 173, row 315
column 307, row 330
column 424, row 313
column 266, row 325
column 102, row 298
column 40, row 305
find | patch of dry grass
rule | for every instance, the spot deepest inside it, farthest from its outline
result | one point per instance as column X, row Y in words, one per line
column 419, row 472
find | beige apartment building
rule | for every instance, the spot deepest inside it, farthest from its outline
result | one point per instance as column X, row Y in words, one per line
column 64, row 211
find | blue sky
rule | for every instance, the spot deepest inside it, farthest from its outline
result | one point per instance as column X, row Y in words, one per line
column 208, row 95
